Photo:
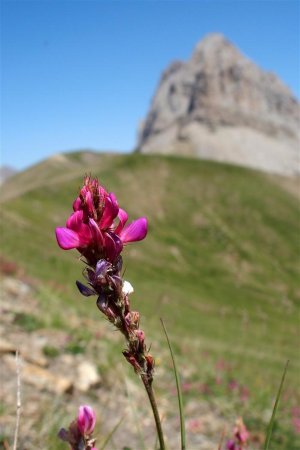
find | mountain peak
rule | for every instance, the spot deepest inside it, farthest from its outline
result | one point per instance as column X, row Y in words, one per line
column 215, row 47
column 220, row 105
column 212, row 42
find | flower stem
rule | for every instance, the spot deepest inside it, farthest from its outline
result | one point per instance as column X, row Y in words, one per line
column 149, row 390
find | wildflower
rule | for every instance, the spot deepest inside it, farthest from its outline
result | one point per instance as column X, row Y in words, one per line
column 244, row 393
column 296, row 424
column 86, row 420
column 79, row 433
column 233, row 385
column 240, row 436
column 97, row 228
column 241, row 433
column 195, row 425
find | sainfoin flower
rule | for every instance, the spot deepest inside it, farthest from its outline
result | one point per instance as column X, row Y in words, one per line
column 240, row 436
column 79, row 433
column 86, row 420
column 97, row 228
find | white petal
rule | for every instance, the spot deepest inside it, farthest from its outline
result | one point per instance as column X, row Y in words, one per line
column 127, row 288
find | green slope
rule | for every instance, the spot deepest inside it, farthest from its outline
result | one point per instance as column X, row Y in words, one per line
column 220, row 263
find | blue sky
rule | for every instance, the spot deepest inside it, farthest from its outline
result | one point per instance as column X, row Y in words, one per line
column 80, row 74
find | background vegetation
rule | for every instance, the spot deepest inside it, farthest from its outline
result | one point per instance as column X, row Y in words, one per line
column 220, row 265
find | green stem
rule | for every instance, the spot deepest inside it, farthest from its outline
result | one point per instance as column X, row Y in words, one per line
column 149, row 390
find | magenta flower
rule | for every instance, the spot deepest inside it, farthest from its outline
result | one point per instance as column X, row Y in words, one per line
column 97, row 228
column 79, row 433
column 86, row 420
column 231, row 445
column 241, row 432
column 240, row 436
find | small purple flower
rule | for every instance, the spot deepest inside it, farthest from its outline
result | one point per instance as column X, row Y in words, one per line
column 85, row 290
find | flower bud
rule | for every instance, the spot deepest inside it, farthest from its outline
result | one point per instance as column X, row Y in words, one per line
column 150, row 362
column 132, row 360
column 140, row 335
column 86, row 420
column 135, row 319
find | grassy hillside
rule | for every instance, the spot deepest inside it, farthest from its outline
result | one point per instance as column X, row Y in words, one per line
column 220, row 263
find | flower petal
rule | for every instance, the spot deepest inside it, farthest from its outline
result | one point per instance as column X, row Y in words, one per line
column 75, row 220
column 77, row 204
column 85, row 290
column 63, row 434
column 96, row 233
column 123, row 217
column 90, row 204
column 86, row 420
column 113, row 246
column 75, row 223
column 127, row 288
column 110, row 211
column 102, row 303
column 102, row 267
column 67, row 239
column 135, row 231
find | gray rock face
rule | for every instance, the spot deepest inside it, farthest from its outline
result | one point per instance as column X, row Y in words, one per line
column 220, row 106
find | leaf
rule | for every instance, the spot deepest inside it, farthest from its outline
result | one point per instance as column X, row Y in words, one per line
column 179, row 394
column 271, row 423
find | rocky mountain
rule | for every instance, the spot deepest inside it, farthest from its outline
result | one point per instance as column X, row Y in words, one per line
column 219, row 105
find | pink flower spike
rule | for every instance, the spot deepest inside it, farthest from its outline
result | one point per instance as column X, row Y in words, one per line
column 67, row 239
column 135, row 231
column 86, row 420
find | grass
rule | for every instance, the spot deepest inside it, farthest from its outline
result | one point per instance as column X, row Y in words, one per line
column 50, row 351
column 178, row 389
column 28, row 322
column 220, row 263
column 272, row 420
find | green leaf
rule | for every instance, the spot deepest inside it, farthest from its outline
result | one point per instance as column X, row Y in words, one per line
column 271, row 424
column 179, row 395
